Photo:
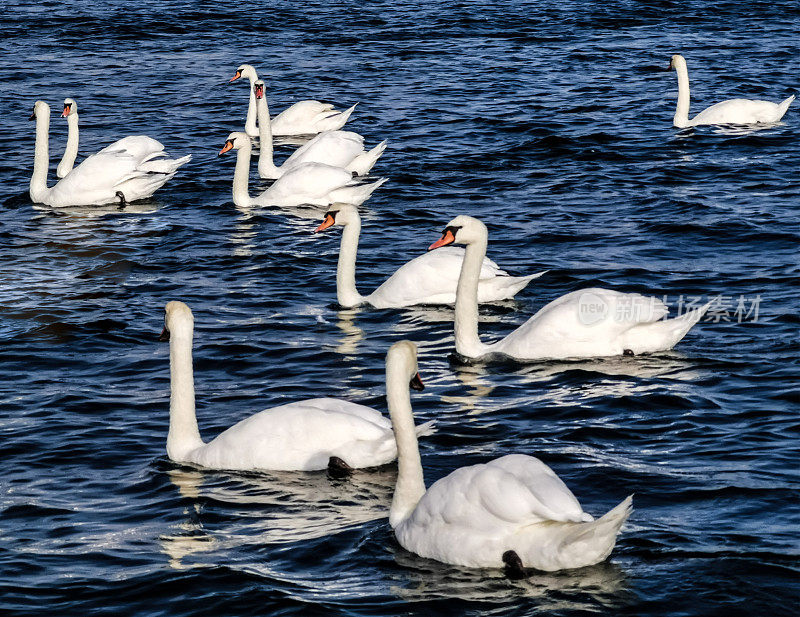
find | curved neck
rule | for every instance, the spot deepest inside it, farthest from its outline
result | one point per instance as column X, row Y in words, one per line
column 266, row 164
column 250, row 121
column 346, row 293
column 682, row 110
column 71, row 151
column 183, row 434
column 410, row 485
column 241, row 177
column 466, row 312
column 41, row 158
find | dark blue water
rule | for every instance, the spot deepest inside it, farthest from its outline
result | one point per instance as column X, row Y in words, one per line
column 552, row 123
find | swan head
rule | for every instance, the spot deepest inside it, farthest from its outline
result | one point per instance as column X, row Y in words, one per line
column 70, row 108
column 676, row 62
column 40, row 108
column 402, row 356
column 258, row 88
column 178, row 321
column 461, row 230
column 235, row 141
column 245, row 70
column 339, row 214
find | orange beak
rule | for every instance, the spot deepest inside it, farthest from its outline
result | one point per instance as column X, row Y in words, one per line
column 228, row 145
column 416, row 383
column 236, row 76
column 329, row 220
column 259, row 90
column 65, row 113
column 447, row 238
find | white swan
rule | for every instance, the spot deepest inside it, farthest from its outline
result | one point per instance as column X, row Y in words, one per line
column 338, row 148
column 733, row 111
column 114, row 173
column 513, row 510
column 430, row 278
column 71, row 151
column 582, row 324
column 301, row 436
column 302, row 118
column 310, row 183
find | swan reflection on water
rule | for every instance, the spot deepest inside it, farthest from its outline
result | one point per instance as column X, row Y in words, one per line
column 604, row 584
column 352, row 335
column 145, row 206
column 272, row 507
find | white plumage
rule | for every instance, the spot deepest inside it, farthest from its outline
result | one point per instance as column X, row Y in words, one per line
column 310, row 183
column 586, row 323
column 134, row 166
column 303, row 118
column 472, row 516
column 296, row 436
column 733, row 111
column 430, row 278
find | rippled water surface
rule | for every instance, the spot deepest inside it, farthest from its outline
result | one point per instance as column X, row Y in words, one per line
column 552, row 123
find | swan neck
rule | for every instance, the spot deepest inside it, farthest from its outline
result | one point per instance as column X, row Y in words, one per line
column 466, row 312
column 41, row 158
column 241, row 177
column 681, row 119
column 266, row 163
column 184, row 435
column 71, row 151
column 250, row 122
column 346, row 293
column 410, row 485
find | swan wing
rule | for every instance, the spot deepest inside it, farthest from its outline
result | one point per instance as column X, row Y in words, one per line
column 301, row 112
column 739, row 111
column 337, row 148
column 587, row 322
column 302, row 436
column 307, row 181
column 139, row 147
column 430, row 278
column 500, row 496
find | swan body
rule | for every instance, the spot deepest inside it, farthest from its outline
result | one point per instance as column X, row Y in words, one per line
column 337, row 148
column 582, row 324
column 316, row 184
column 733, row 111
column 430, row 278
column 298, row 436
column 134, row 167
column 473, row 516
column 303, row 118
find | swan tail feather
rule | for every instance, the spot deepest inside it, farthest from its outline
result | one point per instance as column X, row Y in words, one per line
column 355, row 194
column 661, row 335
column 164, row 166
column 338, row 121
column 784, row 106
column 364, row 162
column 426, row 428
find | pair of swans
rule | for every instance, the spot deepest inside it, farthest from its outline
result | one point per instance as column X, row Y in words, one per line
column 733, row 111
column 586, row 323
column 512, row 511
column 302, row 118
column 337, row 148
column 430, row 278
column 129, row 169
column 315, row 184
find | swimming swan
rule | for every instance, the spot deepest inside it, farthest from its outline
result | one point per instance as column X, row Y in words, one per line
column 302, row 118
column 310, row 183
column 129, row 169
column 338, row 148
column 430, row 278
column 513, row 511
column 582, row 324
column 733, row 111
column 313, row 434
